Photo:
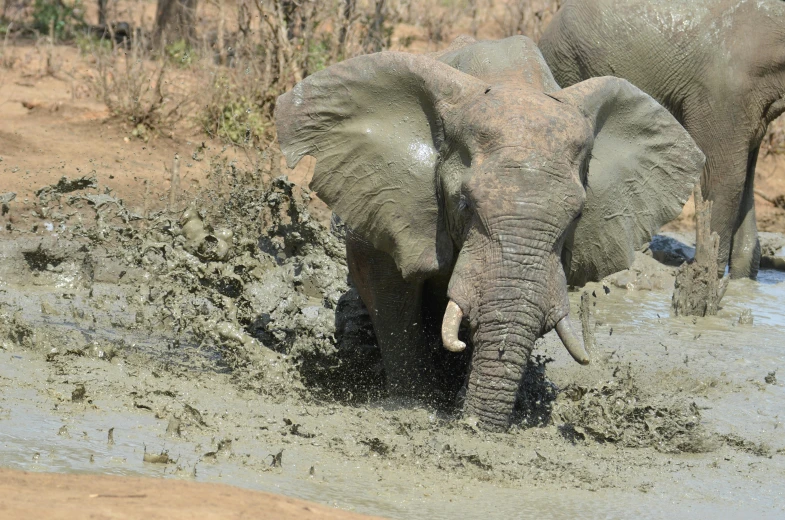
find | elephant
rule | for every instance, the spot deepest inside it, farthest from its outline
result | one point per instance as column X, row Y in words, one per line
column 466, row 183
column 717, row 65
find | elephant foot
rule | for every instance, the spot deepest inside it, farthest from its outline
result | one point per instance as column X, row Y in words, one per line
column 745, row 253
column 748, row 270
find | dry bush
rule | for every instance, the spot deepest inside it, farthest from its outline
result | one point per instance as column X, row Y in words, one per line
column 438, row 20
column 273, row 44
column 137, row 90
column 7, row 58
column 527, row 17
column 248, row 69
column 276, row 44
column 16, row 11
column 243, row 54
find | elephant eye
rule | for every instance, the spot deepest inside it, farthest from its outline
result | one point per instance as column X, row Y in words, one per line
column 463, row 202
column 584, row 169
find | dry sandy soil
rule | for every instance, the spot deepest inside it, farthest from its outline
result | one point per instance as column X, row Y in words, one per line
column 69, row 497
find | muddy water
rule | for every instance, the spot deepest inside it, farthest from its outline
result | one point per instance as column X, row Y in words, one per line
column 717, row 362
column 223, row 368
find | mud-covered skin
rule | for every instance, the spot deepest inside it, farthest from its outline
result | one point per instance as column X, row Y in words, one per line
column 481, row 188
column 717, row 65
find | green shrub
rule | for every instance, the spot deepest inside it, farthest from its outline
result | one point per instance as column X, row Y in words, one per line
column 319, row 54
column 180, row 52
column 55, row 15
column 240, row 122
column 88, row 43
column 233, row 115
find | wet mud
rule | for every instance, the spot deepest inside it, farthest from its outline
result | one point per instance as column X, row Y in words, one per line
column 222, row 342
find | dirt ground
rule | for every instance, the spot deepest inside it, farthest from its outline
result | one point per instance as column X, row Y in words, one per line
column 225, row 346
column 68, row 497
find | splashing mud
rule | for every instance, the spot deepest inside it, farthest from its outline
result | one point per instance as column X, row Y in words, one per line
column 224, row 342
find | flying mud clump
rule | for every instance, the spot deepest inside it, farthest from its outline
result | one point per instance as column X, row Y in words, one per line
column 243, row 271
column 618, row 412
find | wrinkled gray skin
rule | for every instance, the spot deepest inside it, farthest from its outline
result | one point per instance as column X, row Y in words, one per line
column 465, row 185
column 717, row 65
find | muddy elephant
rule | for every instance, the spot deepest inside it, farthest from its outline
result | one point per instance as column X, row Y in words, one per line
column 717, row 65
column 465, row 183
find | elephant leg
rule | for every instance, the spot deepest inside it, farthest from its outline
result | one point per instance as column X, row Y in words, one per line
column 723, row 182
column 395, row 307
column 745, row 248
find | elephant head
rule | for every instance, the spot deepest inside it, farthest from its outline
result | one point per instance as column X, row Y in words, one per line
column 492, row 185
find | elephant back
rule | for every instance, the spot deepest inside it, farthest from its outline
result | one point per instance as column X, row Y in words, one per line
column 516, row 58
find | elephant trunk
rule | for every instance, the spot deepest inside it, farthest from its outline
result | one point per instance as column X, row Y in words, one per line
column 503, row 341
column 511, row 295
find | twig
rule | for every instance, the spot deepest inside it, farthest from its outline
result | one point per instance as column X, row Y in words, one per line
column 145, row 203
column 585, row 315
column 175, row 184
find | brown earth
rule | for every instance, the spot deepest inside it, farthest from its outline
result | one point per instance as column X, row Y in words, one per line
column 68, row 497
column 54, row 126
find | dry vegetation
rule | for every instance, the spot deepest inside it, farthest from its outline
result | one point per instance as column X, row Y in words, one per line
column 217, row 66
column 223, row 72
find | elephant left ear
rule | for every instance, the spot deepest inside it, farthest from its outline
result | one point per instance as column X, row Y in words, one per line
column 642, row 169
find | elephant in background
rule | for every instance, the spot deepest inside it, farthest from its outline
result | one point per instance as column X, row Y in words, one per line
column 717, row 65
column 466, row 184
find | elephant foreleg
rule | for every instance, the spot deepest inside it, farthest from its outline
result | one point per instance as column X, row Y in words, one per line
column 745, row 248
column 395, row 307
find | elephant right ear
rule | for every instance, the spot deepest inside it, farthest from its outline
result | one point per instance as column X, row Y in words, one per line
column 375, row 125
column 643, row 167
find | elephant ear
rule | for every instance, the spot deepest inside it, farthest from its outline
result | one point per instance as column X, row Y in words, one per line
column 516, row 58
column 642, row 169
column 375, row 126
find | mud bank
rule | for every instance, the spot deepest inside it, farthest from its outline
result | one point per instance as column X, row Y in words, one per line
column 224, row 345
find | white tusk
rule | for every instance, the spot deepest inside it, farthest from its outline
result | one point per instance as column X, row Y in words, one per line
column 571, row 341
column 450, row 325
